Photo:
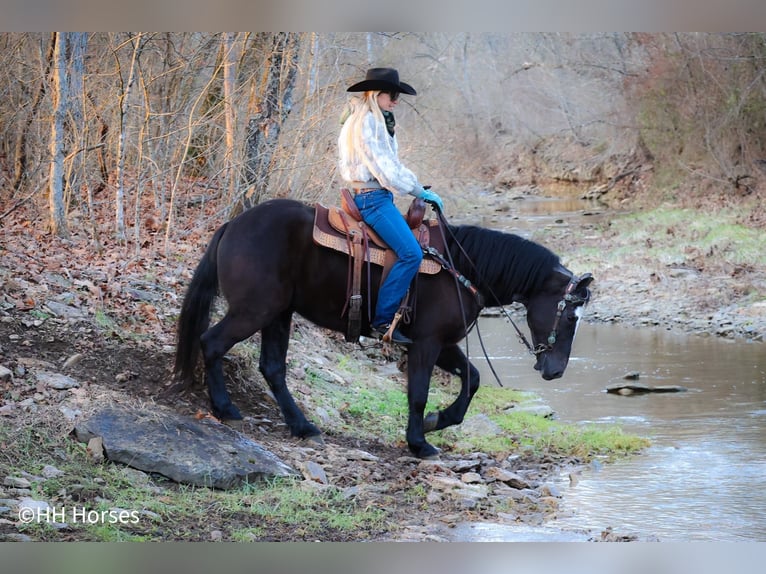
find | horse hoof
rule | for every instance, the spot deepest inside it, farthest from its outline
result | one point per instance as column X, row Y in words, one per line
column 228, row 414
column 430, row 422
column 426, row 452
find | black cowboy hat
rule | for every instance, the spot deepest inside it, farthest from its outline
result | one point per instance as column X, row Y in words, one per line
column 384, row 79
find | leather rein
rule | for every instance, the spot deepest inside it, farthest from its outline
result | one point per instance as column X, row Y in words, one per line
column 568, row 298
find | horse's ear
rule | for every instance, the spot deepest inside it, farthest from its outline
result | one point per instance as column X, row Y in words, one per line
column 584, row 280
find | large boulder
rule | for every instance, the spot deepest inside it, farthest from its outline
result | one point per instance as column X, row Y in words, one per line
column 201, row 452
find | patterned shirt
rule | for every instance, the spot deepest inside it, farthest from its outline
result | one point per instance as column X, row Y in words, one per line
column 378, row 158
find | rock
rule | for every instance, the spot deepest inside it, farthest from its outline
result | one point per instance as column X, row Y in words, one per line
column 471, row 477
column 324, row 416
column 638, row 388
column 69, row 413
column 574, row 479
column 73, row 360
column 479, row 425
column 15, row 537
column 462, row 465
column 19, row 492
column 153, row 516
column 549, row 491
column 37, row 507
column 314, row 472
column 136, row 477
column 32, row 477
column 63, row 310
column 457, row 488
column 96, row 450
column 200, row 452
column 5, row 374
column 8, row 409
column 358, row 454
column 510, row 478
column 540, row 410
column 16, row 482
column 50, row 471
column 56, row 380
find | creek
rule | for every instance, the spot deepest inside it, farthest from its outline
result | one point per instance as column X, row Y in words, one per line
column 704, row 475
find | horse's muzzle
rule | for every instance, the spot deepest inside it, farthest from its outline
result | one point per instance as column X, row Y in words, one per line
column 549, row 370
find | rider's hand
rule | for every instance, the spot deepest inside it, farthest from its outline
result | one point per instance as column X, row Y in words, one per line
column 432, row 199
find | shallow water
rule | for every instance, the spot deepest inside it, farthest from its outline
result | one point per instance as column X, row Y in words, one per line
column 703, row 478
column 532, row 212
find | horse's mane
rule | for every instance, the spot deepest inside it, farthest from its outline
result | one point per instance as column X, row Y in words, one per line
column 505, row 263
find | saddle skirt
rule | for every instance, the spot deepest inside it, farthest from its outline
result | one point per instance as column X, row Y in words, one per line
column 336, row 229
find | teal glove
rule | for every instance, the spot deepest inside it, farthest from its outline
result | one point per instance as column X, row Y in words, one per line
column 432, row 199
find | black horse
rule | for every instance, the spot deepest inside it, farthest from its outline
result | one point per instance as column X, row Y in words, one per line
column 267, row 266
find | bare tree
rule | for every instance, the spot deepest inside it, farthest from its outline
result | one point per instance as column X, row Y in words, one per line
column 60, row 98
column 78, row 42
column 229, row 78
column 135, row 43
column 20, row 155
column 196, row 116
column 275, row 104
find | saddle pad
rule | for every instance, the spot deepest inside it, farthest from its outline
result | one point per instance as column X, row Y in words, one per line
column 326, row 235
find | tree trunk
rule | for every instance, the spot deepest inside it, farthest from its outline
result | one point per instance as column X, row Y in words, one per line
column 229, row 75
column 124, row 105
column 275, row 105
column 78, row 42
column 60, row 97
column 20, row 151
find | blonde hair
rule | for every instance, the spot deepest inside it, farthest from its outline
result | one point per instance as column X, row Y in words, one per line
column 358, row 108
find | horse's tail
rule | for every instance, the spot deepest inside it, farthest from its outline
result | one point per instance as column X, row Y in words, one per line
column 195, row 311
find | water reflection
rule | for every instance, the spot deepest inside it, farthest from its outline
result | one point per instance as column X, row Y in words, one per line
column 705, row 475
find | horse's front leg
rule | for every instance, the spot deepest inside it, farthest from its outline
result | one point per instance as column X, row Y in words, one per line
column 275, row 338
column 453, row 360
column 420, row 364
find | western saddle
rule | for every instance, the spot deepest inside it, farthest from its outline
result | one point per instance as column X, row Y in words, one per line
column 342, row 229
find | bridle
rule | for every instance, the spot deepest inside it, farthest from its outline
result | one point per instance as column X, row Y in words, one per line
column 568, row 298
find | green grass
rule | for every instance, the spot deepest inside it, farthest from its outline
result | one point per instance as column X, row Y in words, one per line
column 675, row 236
column 383, row 413
column 178, row 512
column 524, row 431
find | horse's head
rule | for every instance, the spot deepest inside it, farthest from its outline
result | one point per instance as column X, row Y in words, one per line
column 553, row 316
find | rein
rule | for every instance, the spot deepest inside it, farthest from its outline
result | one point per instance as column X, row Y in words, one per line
column 460, row 278
column 480, row 298
column 535, row 351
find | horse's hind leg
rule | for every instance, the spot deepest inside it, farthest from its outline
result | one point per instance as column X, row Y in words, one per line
column 215, row 343
column 453, row 360
column 275, row 338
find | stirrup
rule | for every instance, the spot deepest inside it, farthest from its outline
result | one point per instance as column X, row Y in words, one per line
column 389, row 333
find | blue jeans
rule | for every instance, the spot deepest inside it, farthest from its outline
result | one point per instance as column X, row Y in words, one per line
column 380, row 212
